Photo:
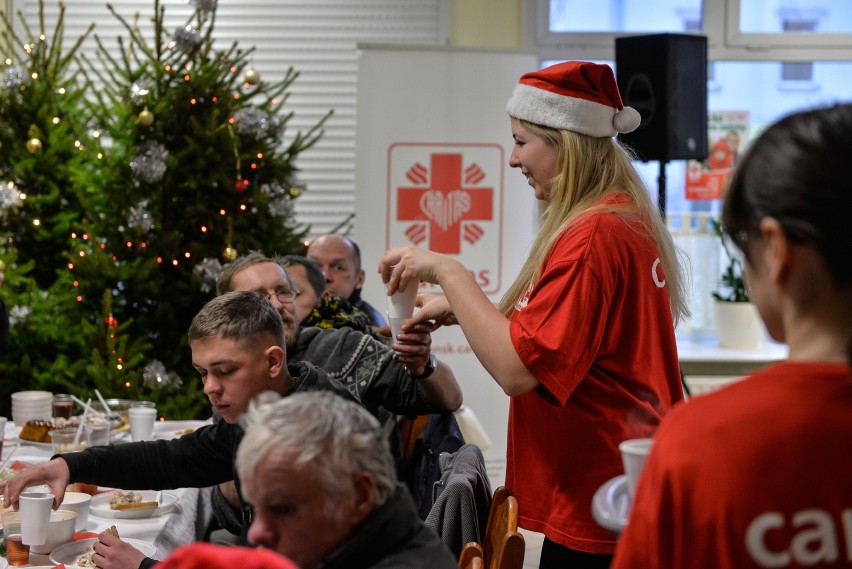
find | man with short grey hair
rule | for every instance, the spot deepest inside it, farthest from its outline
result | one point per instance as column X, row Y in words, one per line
column 320, row 476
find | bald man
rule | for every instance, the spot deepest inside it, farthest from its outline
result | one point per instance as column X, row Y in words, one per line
column 340, row 260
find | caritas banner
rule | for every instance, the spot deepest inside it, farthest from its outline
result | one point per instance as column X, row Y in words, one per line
column 448, row 198
column 433, row 145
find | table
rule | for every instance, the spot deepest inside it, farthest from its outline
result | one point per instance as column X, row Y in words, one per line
column 706, row 365
column 163, row 531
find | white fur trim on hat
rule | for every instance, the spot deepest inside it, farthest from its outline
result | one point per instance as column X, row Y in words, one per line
column 626, row 120
column 569, row 113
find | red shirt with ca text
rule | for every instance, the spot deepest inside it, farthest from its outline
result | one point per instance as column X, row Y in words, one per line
column 596, row 331
column 758, row 474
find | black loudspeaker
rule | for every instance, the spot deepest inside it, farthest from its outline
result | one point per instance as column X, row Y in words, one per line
column 664, row 77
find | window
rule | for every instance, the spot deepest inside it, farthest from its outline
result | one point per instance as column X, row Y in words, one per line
column 752, row 69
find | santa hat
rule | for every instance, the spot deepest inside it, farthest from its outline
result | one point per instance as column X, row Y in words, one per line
column 209, row 556
column 576, row 95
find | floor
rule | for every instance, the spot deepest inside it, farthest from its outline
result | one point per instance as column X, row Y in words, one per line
column 533, row 542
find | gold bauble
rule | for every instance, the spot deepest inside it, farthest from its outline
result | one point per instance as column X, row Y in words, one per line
column 294, row 192
column 229, row 253
column 145, row 118
column 2, row 266
column 34, row 145
column 252, row 77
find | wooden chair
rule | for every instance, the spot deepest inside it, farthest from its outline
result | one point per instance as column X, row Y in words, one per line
column 471, row 556
column 504, row 546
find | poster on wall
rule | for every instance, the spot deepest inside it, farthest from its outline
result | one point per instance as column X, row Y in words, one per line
column 728, row 134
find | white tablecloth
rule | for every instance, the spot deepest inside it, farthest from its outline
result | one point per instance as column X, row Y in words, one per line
column 183, row 524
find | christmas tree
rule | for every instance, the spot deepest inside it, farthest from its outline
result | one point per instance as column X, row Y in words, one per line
column 180, row 162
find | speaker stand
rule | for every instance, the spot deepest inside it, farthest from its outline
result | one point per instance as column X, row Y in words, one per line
column 661, row 189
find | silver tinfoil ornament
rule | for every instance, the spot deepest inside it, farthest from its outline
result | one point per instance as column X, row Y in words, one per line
column 208, row 270
column 255, row 122
column 12, row 76
column 10, row 196
column 206, row 6
column 140, row 216
column 280, row 204
column 185, row 39
column 138, row 92
column 149, row 163
column 156, row 375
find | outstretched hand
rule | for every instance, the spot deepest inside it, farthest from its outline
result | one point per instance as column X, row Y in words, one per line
column 407, row 266
column 434, row 310
column 54, row 473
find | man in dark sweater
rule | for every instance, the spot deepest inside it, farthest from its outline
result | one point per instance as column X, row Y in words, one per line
column 320, row 476
column 237, row 342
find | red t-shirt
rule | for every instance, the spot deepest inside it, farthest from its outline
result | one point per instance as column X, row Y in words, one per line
column 596, row 331
column 758, row 474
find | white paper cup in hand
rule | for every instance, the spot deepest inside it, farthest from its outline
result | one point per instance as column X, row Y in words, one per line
column 142, row 423
column 634, row 453
column 401, row 307
column 35, row 515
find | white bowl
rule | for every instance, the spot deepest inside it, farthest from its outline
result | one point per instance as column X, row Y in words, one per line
column 30, row 407
column 79, row 502
column 32, row 396
column 60, row 530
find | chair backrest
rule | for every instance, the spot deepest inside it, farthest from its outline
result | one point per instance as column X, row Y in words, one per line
column 503, row 546
column 471, row 556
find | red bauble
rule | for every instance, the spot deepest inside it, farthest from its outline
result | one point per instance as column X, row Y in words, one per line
column 111, row 321
column 241, row 185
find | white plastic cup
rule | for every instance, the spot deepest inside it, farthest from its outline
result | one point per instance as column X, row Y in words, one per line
column 401, row 307
column 142, row 423
column 35, row 516
column 634, row 453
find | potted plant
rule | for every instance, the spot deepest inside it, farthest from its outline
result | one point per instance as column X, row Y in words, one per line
column 736, row 319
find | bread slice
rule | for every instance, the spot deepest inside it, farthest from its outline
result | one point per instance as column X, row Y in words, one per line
column 114, row 531
column 135, row 506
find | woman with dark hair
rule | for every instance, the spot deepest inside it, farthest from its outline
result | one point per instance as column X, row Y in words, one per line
column 758, row 474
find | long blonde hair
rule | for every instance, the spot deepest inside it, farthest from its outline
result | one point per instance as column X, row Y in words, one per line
column 588, row 170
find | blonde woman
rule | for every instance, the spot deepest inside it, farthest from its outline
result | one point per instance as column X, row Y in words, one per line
column 583, row 341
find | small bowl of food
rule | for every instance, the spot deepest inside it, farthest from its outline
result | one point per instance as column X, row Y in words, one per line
column 79, row 502
column 66, row 440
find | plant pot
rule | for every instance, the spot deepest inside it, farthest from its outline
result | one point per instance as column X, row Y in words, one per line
column 738, row 324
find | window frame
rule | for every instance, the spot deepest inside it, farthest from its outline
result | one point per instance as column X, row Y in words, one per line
column 721, row 26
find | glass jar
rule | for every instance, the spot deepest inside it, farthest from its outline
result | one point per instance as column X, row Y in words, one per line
column 63, row 406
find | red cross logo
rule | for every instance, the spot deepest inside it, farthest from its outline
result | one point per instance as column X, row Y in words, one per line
column 448, row 206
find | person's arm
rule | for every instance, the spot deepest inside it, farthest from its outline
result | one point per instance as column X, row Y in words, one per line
column 413, row 350
column 486, row 329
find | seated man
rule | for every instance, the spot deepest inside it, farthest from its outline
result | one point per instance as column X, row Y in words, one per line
column 315, row 304
column 339, row 258
column 409, row 381
column 237, row 343
column 405, row 380
column 320, row 476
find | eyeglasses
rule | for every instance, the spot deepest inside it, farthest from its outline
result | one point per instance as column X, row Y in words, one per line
column 284, row 296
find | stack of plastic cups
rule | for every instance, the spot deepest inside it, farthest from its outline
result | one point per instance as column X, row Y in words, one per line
column 29, row 405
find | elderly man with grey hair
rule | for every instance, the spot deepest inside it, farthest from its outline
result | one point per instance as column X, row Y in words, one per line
column 318, row 471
